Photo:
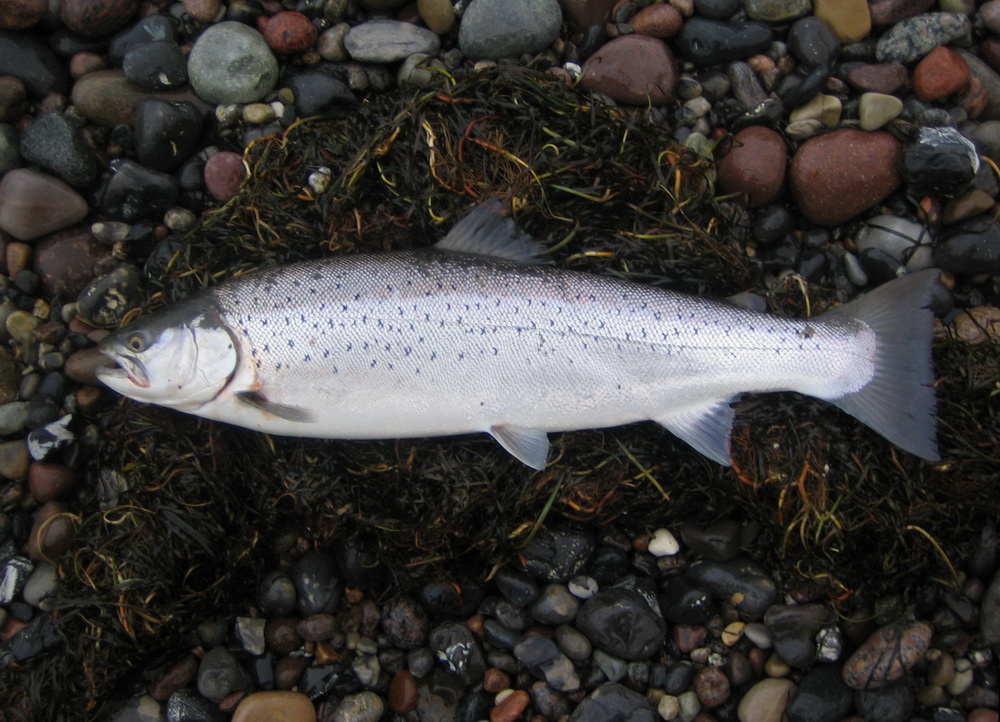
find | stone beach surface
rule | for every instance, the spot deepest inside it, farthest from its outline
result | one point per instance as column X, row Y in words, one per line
column 861, row 140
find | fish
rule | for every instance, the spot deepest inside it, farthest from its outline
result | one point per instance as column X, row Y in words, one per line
column 474, row 334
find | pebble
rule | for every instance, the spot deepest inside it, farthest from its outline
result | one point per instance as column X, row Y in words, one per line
column 659, row 20
column 220, row 674
column 544, row 658
column 970, row 247
column 361, row 707
column 288, row 32
column 106, row 97
column 906, row 242
column 821, row 696
column 403, row 695
column 282, row 706
column 53, row 143
column 709, row 42
column 510, row 707
column 754, row 165
column 227, row 45
column 224, row 175
column 176, row 678
column 765, row 701
column 621, row 622
column 613, row 703
column 166, row 133
column 14, row 459
column 20, row 14
column 52, row 532
column 458, row 652
column 663, row 544
column 836, row 176
column 104, row 301
column 886, row 78
column 388, row 41
column 65, row 261
column 877, row 109
column 14, row 576
column 49, row 481
column 712, row 686
column 634, row 70
column 557, row 555
column 555, row 605
column 33, row 63
column 573, row 643
column 893, row 703
column 913, row 38
column 942, row 162
column 405, row 622
column 320, row 93
column 438, row 15
column 886, row 655
column 939, row 74
column 156, row 65
column 519, row 588
column 135, row 192
column 494, row 29
column 33, row 204
column 793, row 630
column 96, row 18
column 850, row 20
column 739, row 580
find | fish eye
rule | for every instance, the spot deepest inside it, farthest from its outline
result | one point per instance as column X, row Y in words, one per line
column 136, row 342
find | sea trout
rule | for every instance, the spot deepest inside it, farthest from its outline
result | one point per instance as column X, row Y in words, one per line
column 469, row 336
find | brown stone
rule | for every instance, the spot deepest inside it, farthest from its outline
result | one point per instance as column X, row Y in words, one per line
column 886, row 655
column 88, row 398
column 495, row 680
column 403, row 692
column 95, row 18
column 21, row 14
column 978, row 324
column 18, row 257
column 13, row 96
column 887, row 78
column 175, row 679
column 581, row 14
column 712, row 686
column 939, row 74
column 754, row 166
column 288, row 671
column 511, row 707
column 281, row 706
column 65, row 261
column 10, row 377
column 14, row 459
column 438, row 15
column 659, row 20
column 850, row 20
column 890, row 12
column 52, row 532
column 989, row 85
column 633, row 69
column 836, row 176
column 202, row 11
column 33, row 204
column 49, row 481
column 86, row 62
column 280, row 635
column 288, row 32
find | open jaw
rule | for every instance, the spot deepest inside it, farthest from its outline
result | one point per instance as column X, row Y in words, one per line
column 121, row 366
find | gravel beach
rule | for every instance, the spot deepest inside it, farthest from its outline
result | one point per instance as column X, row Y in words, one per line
column 788, row 154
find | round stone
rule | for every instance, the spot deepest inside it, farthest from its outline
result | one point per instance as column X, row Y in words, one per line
column 850, row 20
column 438, row 15
column 95, row 18
column 288, row 32
column 766, row 701
column 708, row 42
column 281, row 706
column 836, row 176
column 52, row 532
column 54, row 144
column 106, row 97
column 620, row 622
column 754, row 166
column 232, row 63
column 405, row 623
column 941, row 73
column 403, row 692
column 65, row 261
column 156, row 65
column 493, row 29
column 33, row 204
column 50, row 481
column 877, row 109
column 633, row 69
column 105, row 300
column 660, row 20
column 224, row 174
column 21, row 14
column 388, row 41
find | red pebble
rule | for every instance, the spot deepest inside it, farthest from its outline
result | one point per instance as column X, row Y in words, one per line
column 511, row 707
column 288, row 32
column 941, row 73
column 224, row 174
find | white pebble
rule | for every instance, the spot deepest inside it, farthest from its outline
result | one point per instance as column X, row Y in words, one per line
column 582, row 586
column 663, row 544
column 669, row 707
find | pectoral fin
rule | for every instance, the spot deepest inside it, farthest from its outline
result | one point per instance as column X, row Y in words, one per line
column 529, row 446
column 707, row 428
column 290, row 413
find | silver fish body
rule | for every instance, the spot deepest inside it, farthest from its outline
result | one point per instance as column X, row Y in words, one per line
column 443, row 341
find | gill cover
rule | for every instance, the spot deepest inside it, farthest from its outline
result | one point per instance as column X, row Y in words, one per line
column 170, row 361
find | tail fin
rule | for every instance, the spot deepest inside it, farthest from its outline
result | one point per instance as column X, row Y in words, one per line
column 899, row 402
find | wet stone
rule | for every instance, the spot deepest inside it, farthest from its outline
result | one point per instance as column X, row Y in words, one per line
column 156, row 65
column 893, row 703
column 105, row 300
column 166, row 133
column 317, row 585
column 555, row 605
column 793, row 629
column 48, row 441
column 457, row 651
column 913, row 38
column 519, row 588
column 941, row 73
column 94, row 18
column 281, row 706
column 709, row 42
column 812, row 43
column 500, row 635
column 224, row 174
column 738, row 576
column 389, row 41
column 176, row 678
column 135, row 192
column 153, row 27
column 288, row 32
column 317, row 627
column 361, row 707
column 766, row 701
column 770, row 11
column 543, row 657
column 52, row 532
column 971, row 247
column 65, row 261
column 888, row 78
column 53, row 143
column 886, row 655
column 231, row 45
column 508, row 28
column 906, row 242
column 821, row 696
column 942, row 162
column 320, row 92
column 621, row 622
column 249, row 632
column 30, row 60
column 276, row 594
column 712, row 686
column 403, row 693
column 614, row 703
column 405, row 623
column 558, row 555
column 754, row 165
column 632, row 69
column 721, row 540
column 33, row 204
column 683, row 602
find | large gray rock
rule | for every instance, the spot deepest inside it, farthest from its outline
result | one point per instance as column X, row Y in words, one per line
column 231, row 63
column 494, row 29
column 386, row 41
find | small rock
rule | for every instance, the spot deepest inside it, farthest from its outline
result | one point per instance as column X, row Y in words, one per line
column 156, row 65
column 220, row 674
column 361, row 707
column 135, row 192
column 510, row 707
column 30, row 60
column 405, row 623
column 166, row 133
column 709, row 42
column 438, row 15
column 106, row 97
column 458, row 652
column 742, row 582
column 754, row 165
column 53, row 143
column 887, row 78
column 663, row 544
column 632, row 69
column 766, row 701
column 557, row 555
column 793, row 629
column 319, row 589
column 176, row 678
column 14, row 460
column 33, row 204
column 288, row 32
column 712, row 686
column 941, row 73
column 621, row 622
column 403, row 693
column 659, row 20
column 970, row 247
column 877, row 109
column 14, row 575
column 942, row 162
column 614, row 703
column 283, row 706
column 228, row 45
column 224, row 175
column 105, row 300
column 886, row 655
column 913, row 38
column 95, row 18
column 544, row 658
column 493, row 29
column 555, row 605
column 52, row 532
column 65, row 261
column 850, row 20
column 49, row 481
column 892, row 703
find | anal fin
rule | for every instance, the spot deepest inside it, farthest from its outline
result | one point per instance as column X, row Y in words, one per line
column 529, row 446
column 290, row 413
column 706, row 427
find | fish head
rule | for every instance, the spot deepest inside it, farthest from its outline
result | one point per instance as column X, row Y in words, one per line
column 181, row 357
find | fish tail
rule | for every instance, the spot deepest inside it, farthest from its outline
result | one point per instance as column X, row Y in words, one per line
column 899, row 402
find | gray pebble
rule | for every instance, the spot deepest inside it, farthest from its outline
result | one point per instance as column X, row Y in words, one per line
column 249, row 633
column 388, row 41
column 361, row 707
column 53, row 143
column 908, row 242
column 232, row 63
column 493, row 29
column 555, row 605
column 912, row 38
column 220, row 674
column 41, row 584
column 13, row 417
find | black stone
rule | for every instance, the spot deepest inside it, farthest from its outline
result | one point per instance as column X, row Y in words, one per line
column 679, row 677
column 317, row 585
column 276, row 594
column 684, row 603
column 357, row 560
column 38, row 636
column 719, row 541
column 779, row 256
column 771, row 223
column 66, row 44
column 457, row 650
column 793, row 629
column 594, row 36
column 880, row 265
column 25, row 57
column 150, row 29
column 499, row 635
column 738, row 576
column 717, row 9
column 318, row 92
column 53, row 143
column 710, row 42
column 440, row 598
column 405, row 622
column 519, row 588
column 892, row 703
column 105, row 300
column 799, row 88
column 557, row 555
column 510, row 616
column 607, row 565
column 812, row 264
column 166, row 133
column 942, row 162
column 158, row 65
column 970, row 248
column 621, row 622
column 813, row 43
column 473, row 706
column 614, row 703
column 135, row 192
column 189, row 706
column 337, row 680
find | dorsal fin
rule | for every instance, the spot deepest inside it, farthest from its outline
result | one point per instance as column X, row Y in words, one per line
column 486, row 231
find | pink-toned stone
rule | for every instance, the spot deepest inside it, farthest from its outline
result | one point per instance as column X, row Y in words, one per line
column 581, row 14
column 511, row 707
column 985, row 83
column 86, row 62
column 202, row 11
column 755, row 165
column 887, row 78
column 224, row 174
column 939, row 74
column 889, row 12
column 49, row 481
column 659, row 20
column 403, row 692
column 282, row 706
column 96, row 18
column 288, row 32
column 52, row 532
column 33, row 204
column 633, row 69
column 982, row 714
column 21, row 14
column 886, row 655
column 836, row 176
column 712, row 686
column 65, row 261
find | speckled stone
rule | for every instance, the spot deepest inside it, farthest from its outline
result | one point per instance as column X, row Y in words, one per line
column 493, row 29
column 755, row 165
column 836, row 176
column 888, row 78
column 913, row 38
column 288, row 32
column 941, row 73
column 227, row 46
column 388, row 41
column 776, row 11
column 633, row 69
column 886, row 655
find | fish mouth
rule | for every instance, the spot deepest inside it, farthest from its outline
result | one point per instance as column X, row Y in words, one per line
column 124, row 367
